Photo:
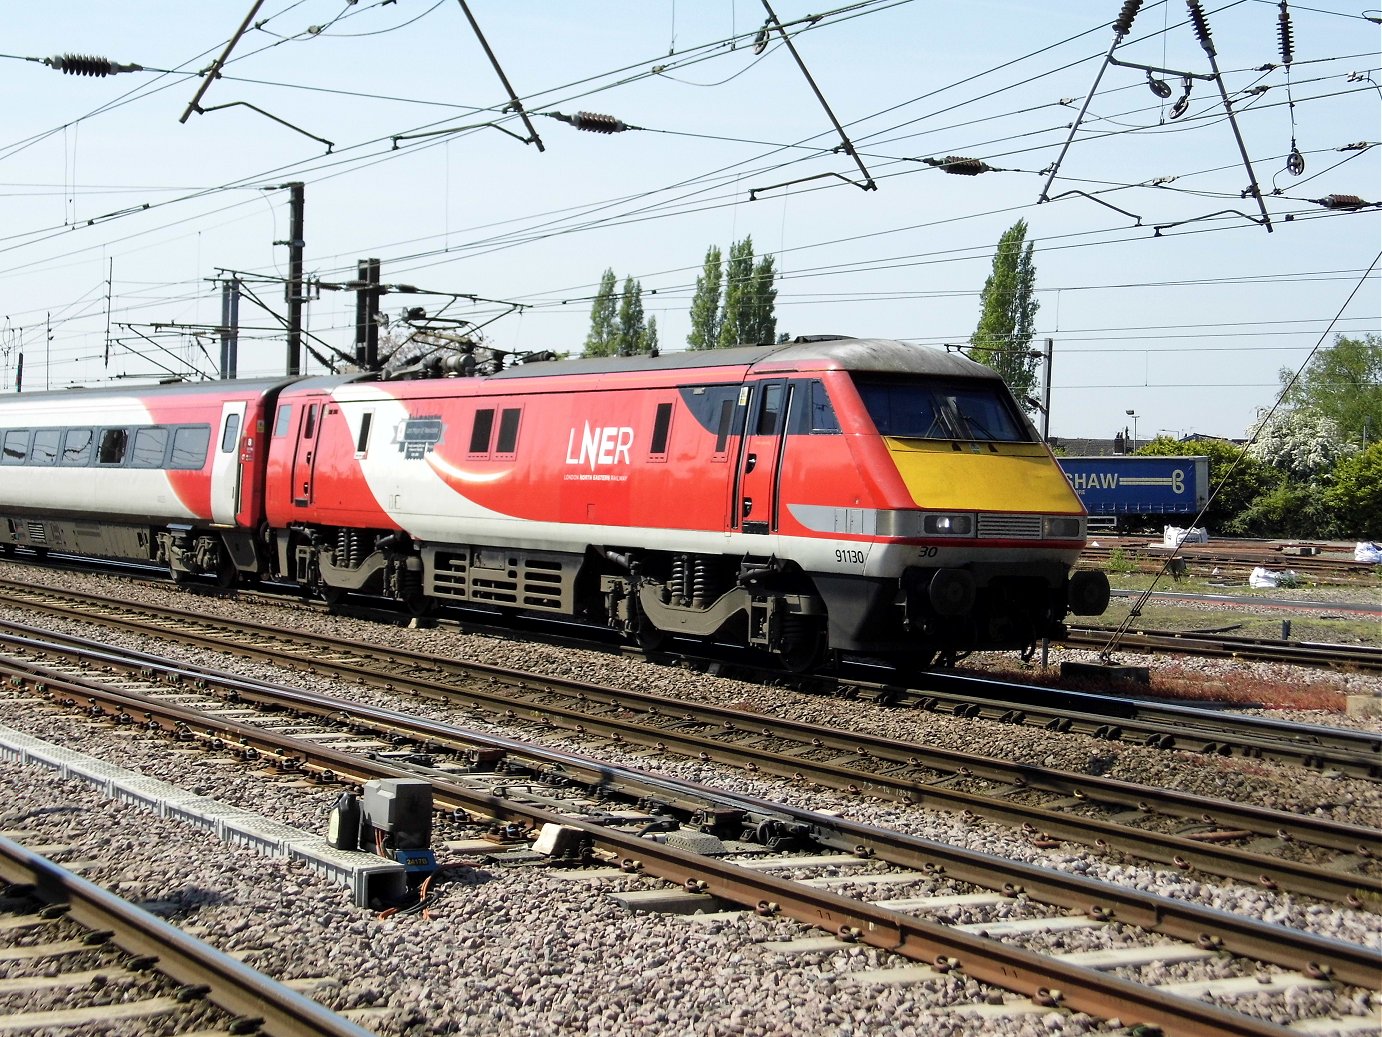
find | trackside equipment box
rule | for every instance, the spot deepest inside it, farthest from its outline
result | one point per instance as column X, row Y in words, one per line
column 1133, row 485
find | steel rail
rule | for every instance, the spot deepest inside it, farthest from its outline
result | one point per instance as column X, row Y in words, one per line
column 1117, row 718
column 1346, row 962
column 231, row 984
column 867, row 764
column 1348, row 658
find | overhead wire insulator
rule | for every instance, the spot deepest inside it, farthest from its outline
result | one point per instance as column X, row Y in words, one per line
column 960, row 166
column 592, row 122
column 88, row 65
column 1201, row 24
column 1341, row 201
column 1125, row 17
column 1283, row 28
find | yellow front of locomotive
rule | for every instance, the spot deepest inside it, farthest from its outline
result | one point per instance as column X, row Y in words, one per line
column 988, row 532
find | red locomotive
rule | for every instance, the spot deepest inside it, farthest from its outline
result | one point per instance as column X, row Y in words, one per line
column 839, row 495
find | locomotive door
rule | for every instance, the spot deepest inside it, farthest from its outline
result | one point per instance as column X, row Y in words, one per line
column 225, row 465
column 760, row 455
column 305, row 450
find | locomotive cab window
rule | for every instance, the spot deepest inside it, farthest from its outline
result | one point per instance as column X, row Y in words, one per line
column 769, row 410
column 16, row 446
column 974, row 411
column 76, row 447
column 821, row 412
column 111, row 450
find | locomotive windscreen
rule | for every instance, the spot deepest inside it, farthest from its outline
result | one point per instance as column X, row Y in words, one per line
column 942, row 410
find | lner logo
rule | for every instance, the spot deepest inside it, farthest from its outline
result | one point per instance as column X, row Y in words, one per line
column 607, row 445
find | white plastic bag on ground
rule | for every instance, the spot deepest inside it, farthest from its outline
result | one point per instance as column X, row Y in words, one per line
column 1260, row 578
column 1174, row 536
column 1368, row 552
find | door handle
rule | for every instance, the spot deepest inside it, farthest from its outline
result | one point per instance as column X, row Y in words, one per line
column 750, row 461
column 309, row 457
column 748, row 506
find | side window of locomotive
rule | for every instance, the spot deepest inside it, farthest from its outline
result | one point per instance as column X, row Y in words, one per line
column 362, row 440
column 309, row 422
column 769, row 411
column 76, row 447
column 723, row 429
column 480, row 432
column 45, row 449
column 821, row 413
column 16, row 446
column 150, row 444
column 231, row 434
column 190, row 443
column 111, row 449
column 282, row 420
column 507, row 443
column 662, row 428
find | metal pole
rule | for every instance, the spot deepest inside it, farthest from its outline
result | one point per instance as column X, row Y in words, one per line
column 230, row 327
column 1046, row 394
column 296, row 244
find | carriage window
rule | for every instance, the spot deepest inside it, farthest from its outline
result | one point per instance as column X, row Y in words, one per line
column 231, row 434
column 480, row 432
column 150, row 444
column 362, row 440
column 45, row 450
column 111, row 450
column 508, row 431
column 189, row 446
column 285, row 414
column 726, row 416
column 16, row 446
column 76, row 447
column 662, row 425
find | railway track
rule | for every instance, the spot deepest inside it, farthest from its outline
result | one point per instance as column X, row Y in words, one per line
column 1112, row 717
column 1150, row 556
column 517, row 784
column 1345, row 658
column 75, row 919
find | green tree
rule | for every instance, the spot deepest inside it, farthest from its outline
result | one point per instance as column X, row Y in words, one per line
column 1343, row 382
column 762, row 317
column 739, row 285
column 1355, row 496
column 1244, row 479
column 1007, row 314
column 648, row 342
column 604, row 316
column 628, row 338
column 705, row 304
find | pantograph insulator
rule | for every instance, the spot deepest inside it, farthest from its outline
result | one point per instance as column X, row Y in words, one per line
column 1341, row 201
column 88, row 65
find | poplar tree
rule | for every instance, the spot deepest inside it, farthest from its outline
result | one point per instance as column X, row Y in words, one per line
column 762, row 322
column 705, row 304
column 632, row 330
column 739, row 284
column 604, row 315
column 1007, row 315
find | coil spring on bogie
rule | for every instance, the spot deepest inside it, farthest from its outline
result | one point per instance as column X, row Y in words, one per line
column 349, row 550
column 676, row 584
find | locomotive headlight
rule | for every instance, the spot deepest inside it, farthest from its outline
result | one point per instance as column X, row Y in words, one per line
column 1062, row 527
column 935, row 524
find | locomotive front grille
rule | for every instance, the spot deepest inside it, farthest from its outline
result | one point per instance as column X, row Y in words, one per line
column 1011, row 527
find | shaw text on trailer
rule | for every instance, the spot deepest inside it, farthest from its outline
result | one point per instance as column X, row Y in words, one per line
column 825, row 496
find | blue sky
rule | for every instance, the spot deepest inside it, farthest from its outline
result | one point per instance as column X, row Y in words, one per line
column 116, row 214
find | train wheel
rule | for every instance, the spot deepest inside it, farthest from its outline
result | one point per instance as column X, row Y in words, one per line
column 226, row 574
column 650, row 637
column 416, row 604
column 333, row 595
column 803, row 645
